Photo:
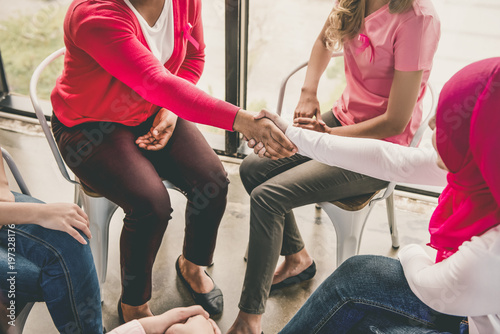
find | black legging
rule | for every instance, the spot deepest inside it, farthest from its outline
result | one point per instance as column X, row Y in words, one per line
column 105, row 157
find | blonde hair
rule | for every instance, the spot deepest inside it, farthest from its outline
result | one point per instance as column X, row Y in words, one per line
column 346, row 20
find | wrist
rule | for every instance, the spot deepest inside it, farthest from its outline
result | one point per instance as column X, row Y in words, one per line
column 242, row 117
column 308, row 91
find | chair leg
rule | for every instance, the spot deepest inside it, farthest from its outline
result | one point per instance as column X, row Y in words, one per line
column 393, row 228
column 349, row 228
column 78, row 198
column 100, row 210
column 20, row 320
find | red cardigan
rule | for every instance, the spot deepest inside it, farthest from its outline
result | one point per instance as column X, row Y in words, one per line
column 111, row 75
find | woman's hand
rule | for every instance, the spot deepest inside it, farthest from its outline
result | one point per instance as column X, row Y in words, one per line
column 259, row 148
column 193, row 319
column 315, row 124
column 197, row 324
column 308, row 106
column 160, row 133
column 66, row 217
column 264, row 130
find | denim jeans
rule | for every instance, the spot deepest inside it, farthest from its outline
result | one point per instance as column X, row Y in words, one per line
column 369, row 294
column 51, row 266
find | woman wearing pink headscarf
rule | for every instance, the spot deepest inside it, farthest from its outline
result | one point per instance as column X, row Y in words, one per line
column 374, row 294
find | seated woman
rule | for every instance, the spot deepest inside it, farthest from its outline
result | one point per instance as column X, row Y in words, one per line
column 388, row 49
column 373, row 294
column 49, row 253
column 130, row 70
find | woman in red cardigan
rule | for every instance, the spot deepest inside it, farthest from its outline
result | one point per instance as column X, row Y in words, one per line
column 123, row 108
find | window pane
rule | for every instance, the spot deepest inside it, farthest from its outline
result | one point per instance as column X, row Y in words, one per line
column 32, row 29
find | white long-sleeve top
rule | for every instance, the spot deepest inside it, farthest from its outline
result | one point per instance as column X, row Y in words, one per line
column 465, row 284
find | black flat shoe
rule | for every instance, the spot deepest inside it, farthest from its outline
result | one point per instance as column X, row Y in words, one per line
column 305, row 275
column 212, row 301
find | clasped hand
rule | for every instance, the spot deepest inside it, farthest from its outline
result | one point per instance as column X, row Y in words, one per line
column 160, row 133
column 264, row 130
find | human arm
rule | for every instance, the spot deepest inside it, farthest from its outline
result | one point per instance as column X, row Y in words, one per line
column 402, row 98
column 64, row 217
column 160, row 133
column 466, row 283
column 180, row 320
column 308, row 105
column 372, row 157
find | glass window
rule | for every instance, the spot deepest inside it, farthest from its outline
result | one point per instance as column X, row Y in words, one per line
column 32, row 29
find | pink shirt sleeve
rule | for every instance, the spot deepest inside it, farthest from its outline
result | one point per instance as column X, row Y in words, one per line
column 131, row 327
column 109, row 38
column 415, row 43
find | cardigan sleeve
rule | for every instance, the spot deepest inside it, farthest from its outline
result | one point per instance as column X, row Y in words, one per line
column 466, row 284
column 372, row 157
column 108, row 36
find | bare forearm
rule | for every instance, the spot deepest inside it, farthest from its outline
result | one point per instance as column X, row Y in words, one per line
column 318, row 61
column 19, row 213
column 379, row 127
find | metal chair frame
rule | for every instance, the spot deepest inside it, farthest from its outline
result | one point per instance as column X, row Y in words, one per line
column 349, row 224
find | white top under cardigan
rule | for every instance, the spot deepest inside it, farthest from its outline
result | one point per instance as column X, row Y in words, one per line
column 465, row 284
column 160, row 37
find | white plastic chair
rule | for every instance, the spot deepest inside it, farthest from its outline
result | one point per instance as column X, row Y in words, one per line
column 350, row 215
column 99, row 209
column 22, row 314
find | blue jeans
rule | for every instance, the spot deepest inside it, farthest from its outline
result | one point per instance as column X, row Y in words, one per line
column 51, row 266
column 369, row 294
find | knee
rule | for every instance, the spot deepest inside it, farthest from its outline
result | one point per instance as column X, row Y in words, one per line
column 150, row 209
column 267, row 198
column 211, row 185
column 248, row 171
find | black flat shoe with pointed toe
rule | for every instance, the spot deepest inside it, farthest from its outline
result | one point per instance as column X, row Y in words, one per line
column 212, row 301
column 305, row 275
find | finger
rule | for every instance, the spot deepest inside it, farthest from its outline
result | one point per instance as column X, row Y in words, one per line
column 251, row 143
column 82, row 213
column 192, row 311
column 260, row 114
column 319, row 117
column 306, row 126
column 261, row 153
column 82, row 227
column 283, row 141
column 272, row 154
column 214, row 326
column 74, row 233
column 259, row 146
column 160, row 127
column 304, row 120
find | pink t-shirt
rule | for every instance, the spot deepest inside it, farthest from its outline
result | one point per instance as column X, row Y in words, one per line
column 403, row 42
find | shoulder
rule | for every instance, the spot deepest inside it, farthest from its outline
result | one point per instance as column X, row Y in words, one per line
column 85, row 10
column 421, row 11
column 86, row 15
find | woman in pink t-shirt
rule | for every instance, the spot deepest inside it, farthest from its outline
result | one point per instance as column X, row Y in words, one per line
column 388, row 50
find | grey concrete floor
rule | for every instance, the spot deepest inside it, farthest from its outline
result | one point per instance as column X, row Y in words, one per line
column 31, row 152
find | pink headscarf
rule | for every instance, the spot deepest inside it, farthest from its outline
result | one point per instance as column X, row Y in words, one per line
column 468, row 141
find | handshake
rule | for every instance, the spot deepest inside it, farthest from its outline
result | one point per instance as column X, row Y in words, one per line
column 265, row 133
